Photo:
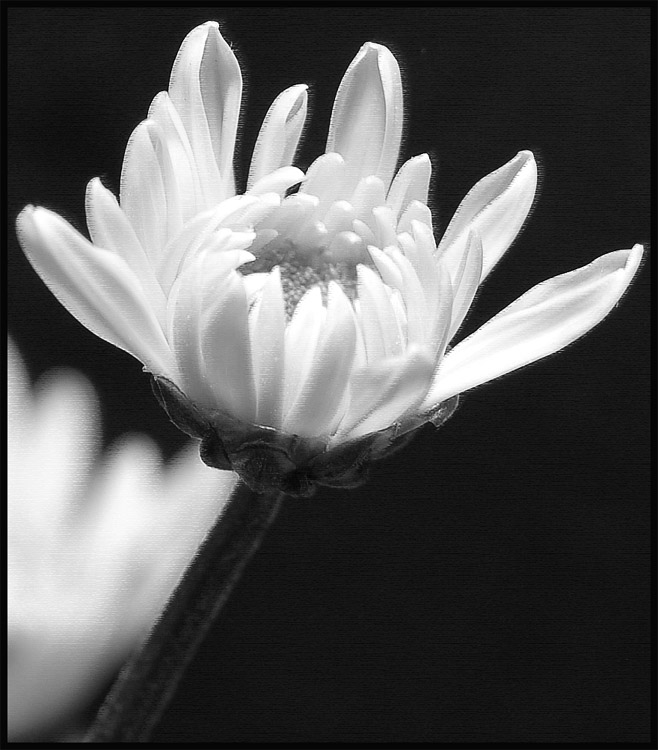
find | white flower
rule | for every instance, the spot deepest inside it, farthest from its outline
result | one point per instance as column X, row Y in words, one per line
column 325, row 313
column 94, row 550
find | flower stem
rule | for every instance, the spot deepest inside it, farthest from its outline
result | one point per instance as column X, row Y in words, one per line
column 148, row 681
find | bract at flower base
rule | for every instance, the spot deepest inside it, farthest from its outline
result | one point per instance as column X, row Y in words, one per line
column 267, row 459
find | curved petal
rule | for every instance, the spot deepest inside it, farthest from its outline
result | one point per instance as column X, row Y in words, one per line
column 545, row 319
column 366, row 121
column 280, row 133
column 206, row 89
column 496, row 208
column 95, row 286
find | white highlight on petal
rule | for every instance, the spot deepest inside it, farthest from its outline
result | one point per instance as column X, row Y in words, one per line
column 545, row 319
column 280, row 133
column 496, row 208
column 366, row 121
column 96, row 286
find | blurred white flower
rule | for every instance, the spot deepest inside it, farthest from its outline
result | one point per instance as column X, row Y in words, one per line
column 325, row 313
column 94, row 548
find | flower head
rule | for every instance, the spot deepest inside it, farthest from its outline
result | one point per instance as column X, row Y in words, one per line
column 94, row 549
column 302, row 331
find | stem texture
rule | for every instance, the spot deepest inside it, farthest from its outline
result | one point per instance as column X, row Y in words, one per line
column 148, row 680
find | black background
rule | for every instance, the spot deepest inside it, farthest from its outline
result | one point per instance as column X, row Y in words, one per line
column 490, row 583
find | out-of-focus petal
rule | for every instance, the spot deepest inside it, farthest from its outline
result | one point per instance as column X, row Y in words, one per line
column 366, row 121
column 496, row 208
column 545, row 319
column 95, row 286
column 280, row 133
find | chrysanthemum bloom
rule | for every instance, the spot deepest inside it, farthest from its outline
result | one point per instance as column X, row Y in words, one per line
column 300, row 333
column 94, row 548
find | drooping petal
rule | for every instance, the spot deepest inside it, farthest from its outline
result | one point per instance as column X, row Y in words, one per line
column 206, row 88
column 496, row 208
column 383, row 392
column 110, row 229
column 545, row 319
column 323, row 390
column 279, row 135
column 366, row 121
column 95, row 286
column 268, row 350
column 411, row 183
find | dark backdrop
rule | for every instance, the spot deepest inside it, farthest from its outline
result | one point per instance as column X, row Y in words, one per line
column 490, row 582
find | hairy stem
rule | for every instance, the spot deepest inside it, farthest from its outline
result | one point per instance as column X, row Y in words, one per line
column 148, row 681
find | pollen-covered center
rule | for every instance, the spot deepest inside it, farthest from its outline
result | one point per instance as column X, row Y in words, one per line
column 302, row 270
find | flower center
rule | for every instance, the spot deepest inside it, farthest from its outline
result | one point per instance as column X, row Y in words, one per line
column 302, row 269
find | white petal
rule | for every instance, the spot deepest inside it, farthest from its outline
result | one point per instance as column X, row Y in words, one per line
column 324, row 388
column 381, row 334
column 95, row 286
column 415, row 211
column 496, row 208
column 226, row 347
column 465, row 278
column 163, row 112
column 110, row 229
column 143, row 189
column 277, row 181
column 206, row 88
column 339, row 217
column 279, row 135
column 368, row 194
column 302, row 336
column 545, row 319
column 268, row 350
column 411, row 183
column 383, row 392
column 366, row 121
column 325, row 179
column 66, row 439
